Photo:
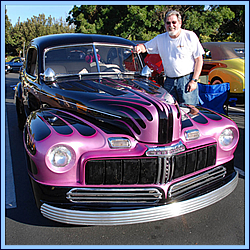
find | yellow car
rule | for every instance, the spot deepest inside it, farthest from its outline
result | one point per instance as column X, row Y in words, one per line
column 225, row 62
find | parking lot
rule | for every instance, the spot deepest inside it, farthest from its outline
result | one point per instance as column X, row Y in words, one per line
column 222, row 223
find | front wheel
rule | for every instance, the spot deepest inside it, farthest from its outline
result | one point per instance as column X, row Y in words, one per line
column 21, row 117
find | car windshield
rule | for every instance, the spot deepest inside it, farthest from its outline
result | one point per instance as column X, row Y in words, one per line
column 92, row 59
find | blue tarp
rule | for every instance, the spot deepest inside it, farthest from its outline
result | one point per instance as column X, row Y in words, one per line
column 214, row 96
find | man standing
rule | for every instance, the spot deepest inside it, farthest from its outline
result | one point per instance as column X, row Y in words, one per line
column 181, row 54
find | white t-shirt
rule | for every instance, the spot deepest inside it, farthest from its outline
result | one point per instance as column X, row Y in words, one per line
column 177, row 54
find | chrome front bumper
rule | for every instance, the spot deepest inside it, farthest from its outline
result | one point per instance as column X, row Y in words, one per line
column 105, row 218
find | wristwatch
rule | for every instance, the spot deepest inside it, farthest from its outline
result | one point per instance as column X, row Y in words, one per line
column 195, row 80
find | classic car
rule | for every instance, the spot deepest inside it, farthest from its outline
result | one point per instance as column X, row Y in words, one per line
column 225, row 62
column 15, row 64
column 107, row 146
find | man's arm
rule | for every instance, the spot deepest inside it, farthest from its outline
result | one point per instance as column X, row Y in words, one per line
column 140, row 48
column 197, row 71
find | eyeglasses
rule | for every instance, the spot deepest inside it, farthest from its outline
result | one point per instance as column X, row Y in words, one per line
column 173, row 22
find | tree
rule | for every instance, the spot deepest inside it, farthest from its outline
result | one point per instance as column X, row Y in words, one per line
column 234, row 30
column 145, row 22
column 207, row 23
column 23, row 32
column 9, row 43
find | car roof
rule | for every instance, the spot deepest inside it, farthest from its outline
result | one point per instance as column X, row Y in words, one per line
column 76, row 38
column 224, row 50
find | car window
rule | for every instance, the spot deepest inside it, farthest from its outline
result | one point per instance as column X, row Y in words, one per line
column 70, row 60
column 240, row 52
column 207, row 54
column 31, row 66
column 117, row 59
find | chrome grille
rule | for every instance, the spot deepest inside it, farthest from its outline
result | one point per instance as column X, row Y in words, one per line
column 149, row 170
column 114, row 195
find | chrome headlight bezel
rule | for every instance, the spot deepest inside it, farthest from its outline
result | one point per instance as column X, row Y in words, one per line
column 60, row 158
column 228, row 138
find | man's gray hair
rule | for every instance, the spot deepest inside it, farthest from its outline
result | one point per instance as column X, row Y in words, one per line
column 173, row 12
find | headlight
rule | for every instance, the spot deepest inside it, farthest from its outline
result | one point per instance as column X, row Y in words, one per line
column 226, row 137
column 60, row 158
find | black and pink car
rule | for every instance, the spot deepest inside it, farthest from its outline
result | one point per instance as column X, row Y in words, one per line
column 107, row 146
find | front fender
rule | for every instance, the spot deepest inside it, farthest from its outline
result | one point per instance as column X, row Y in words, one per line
column 234, row 77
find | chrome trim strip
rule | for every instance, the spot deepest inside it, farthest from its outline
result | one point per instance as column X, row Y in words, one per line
column 159, row 170
column 164, row 170
column 166, row 150
column 139, row 215
column 206, row 177
column 172, row 168
column 118, row 195
column 197, row 181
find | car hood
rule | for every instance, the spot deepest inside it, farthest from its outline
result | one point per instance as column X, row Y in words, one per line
column 137, row 108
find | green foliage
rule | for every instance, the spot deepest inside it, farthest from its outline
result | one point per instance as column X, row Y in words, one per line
column 233, row 30
column 134, row 22
column 145, row 22
column 129, row 21
column 206, row 24
column 23, row 32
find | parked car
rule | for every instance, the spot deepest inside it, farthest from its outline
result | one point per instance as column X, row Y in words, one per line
column 107, row 146
column 225, row 62
column 7, row 69
column 15, row 64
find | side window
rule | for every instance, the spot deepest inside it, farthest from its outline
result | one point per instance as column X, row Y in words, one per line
column 31, row 65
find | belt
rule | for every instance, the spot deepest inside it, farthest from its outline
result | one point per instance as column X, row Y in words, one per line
column 179, row 76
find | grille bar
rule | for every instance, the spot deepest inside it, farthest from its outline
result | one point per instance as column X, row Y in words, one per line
column 164, row 170
column 198, row 181
column 106, row 195
column 159, row 170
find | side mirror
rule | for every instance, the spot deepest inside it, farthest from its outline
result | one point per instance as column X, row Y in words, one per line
column 49, row 75
column 146, row 71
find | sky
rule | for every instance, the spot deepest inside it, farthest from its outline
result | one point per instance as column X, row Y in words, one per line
column 26, row 11
column 56, row 9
